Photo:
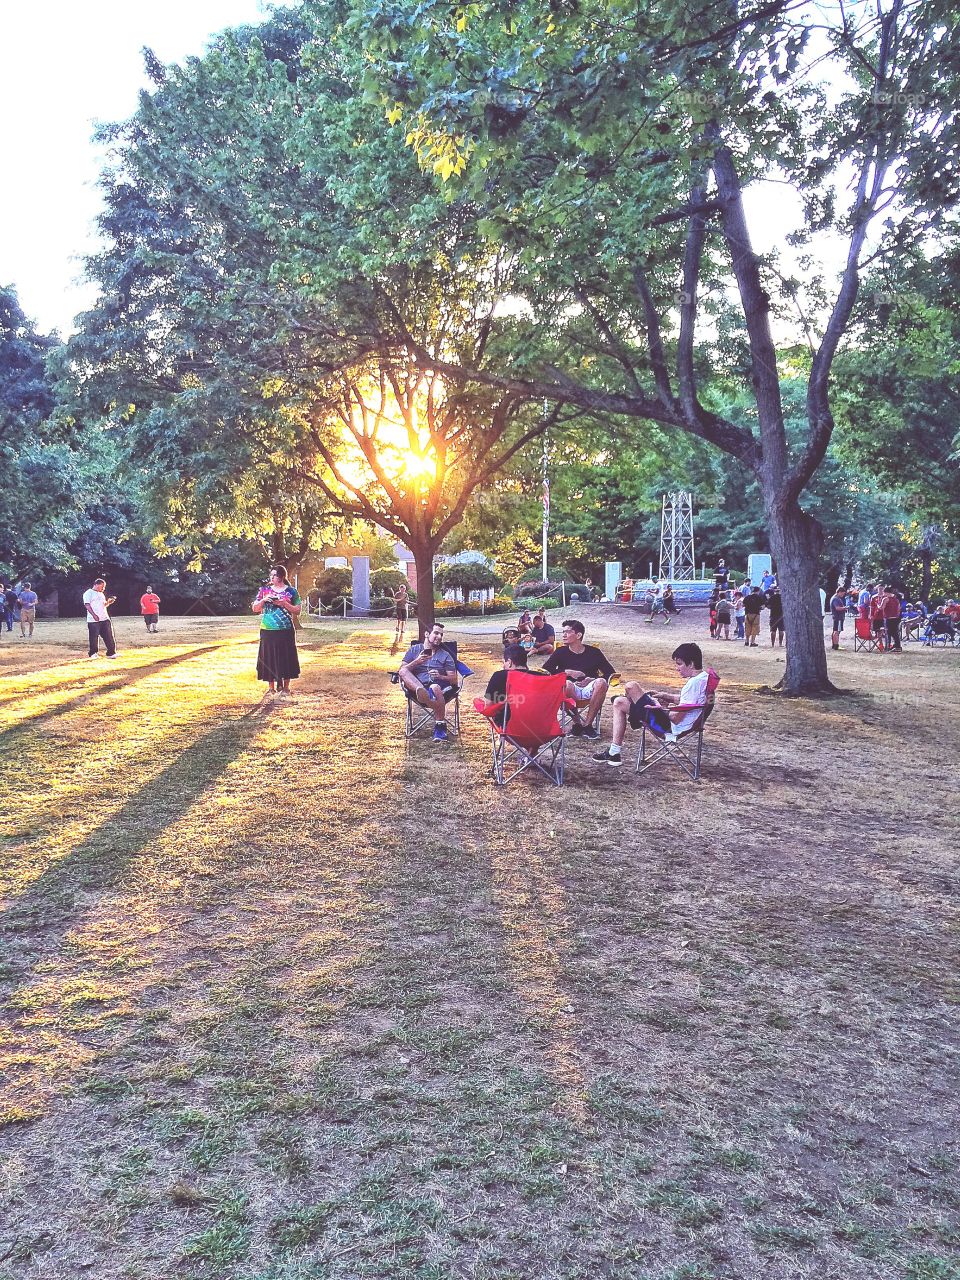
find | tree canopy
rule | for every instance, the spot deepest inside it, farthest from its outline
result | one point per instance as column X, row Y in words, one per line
column 613, row 149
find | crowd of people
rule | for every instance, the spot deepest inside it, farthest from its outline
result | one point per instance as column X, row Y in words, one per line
column 889, row 617
column 741, row 607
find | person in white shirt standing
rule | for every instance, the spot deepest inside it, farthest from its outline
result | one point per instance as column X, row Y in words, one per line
column 97, row 605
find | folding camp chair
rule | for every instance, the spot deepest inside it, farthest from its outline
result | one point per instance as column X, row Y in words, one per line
column 939, row 632
column 532, row 735
column 685, row 749
column 418, row 715
column 864, row 636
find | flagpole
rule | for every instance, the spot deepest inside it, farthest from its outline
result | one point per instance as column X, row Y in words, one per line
column 546, row 501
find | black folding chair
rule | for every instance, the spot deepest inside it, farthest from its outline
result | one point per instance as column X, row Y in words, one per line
column 418, row 715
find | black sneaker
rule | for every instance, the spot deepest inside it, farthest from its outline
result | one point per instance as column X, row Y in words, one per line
column 608, row 757
column 591, row 734
column 576, row 729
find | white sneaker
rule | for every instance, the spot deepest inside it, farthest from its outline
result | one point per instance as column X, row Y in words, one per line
column 109, row 655
column 93, row 655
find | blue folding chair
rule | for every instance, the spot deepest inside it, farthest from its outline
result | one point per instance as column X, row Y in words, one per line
column 418, row 716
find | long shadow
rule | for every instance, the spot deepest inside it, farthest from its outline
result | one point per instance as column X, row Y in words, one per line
column 124, row 680
column 102, row 858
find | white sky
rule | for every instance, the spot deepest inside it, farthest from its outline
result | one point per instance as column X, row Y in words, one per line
column 64, row 66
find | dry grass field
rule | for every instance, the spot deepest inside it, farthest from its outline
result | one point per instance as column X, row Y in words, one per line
column 284, row 996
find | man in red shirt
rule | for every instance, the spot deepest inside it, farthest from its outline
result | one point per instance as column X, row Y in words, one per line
column 889, row 606
column 150, row 608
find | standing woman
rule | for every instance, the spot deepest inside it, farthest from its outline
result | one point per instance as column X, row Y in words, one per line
column 278, row 606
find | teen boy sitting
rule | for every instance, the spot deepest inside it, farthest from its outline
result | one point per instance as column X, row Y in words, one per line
column 659, row 711
column 588, row 674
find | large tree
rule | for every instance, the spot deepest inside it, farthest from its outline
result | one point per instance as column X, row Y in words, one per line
column 274, row 268
column 40, row 490
column 613, row 149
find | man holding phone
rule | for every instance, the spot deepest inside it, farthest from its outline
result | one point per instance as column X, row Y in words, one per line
column 97, row 605
column 428, row 670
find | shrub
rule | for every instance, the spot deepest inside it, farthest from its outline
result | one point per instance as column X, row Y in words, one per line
column 537, row 587
column 500, row 604
column 465, row 577
column 534, row 602
column 385, row 581
column 555, row 574
column 333, row 582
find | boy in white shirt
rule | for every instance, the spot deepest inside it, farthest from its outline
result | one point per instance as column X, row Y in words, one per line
column 660, row 712
column 97, row 605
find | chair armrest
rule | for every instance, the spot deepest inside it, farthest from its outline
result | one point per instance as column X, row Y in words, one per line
column 487, row 710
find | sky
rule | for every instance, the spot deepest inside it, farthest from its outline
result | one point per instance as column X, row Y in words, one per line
column 64, row 67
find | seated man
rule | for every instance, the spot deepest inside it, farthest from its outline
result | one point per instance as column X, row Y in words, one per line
column 659, row 710
column 428, row 671
column 939, row 623
column 588, row 674
column 514, row 659
column 543, row 635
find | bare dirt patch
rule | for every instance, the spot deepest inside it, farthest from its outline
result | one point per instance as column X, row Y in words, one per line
column 285, row 996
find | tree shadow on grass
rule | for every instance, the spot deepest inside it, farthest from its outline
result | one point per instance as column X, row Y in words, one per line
column 123, row 680
column 99, row 862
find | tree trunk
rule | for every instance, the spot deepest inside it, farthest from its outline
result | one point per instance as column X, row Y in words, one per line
column 423, row 559
column 926, row 573
column 795, row 539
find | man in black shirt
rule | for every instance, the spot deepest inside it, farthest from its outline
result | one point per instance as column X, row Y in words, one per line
column 588, row 675
column 514, row 659
column 752, row 606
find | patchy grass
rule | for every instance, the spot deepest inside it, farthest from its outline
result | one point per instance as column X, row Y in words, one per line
column 284, row 996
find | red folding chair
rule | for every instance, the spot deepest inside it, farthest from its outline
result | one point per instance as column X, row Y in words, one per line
column 532, row 733
column 685, row 750
column 864, row 636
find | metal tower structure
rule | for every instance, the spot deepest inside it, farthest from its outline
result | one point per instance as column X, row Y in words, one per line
column 677, row 562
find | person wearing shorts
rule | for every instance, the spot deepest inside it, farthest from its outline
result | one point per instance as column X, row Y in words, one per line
column 752, row 606
column 838, row 611
column 588, row 675
column 401, row 603
column 150, row 609
column 661, row 713
column 28, row 610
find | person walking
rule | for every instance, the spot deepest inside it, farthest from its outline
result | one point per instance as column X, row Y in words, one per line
column 97, row 604
column 28, row 610
column 278, row 604
column 401, row 600
column 11, row 606
column 150, row 609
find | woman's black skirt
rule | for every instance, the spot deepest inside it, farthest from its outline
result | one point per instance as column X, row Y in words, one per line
column 277, row 659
